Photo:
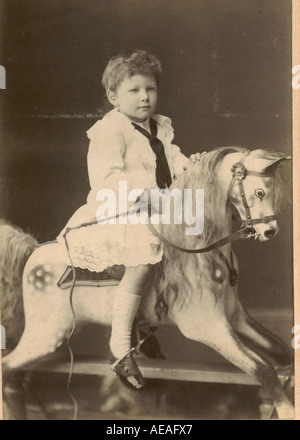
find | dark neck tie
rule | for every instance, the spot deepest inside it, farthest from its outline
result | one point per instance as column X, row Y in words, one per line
column 163, row 175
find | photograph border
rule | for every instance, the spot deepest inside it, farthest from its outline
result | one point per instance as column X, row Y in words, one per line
column 296, row 194
column 296, row 198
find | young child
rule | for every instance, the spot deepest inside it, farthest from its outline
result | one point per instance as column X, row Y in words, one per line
column 120, row 150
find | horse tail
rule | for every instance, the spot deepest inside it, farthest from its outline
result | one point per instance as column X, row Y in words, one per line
column 16, row 247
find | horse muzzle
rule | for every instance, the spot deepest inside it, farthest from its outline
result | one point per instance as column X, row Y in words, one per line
column 261, row 229
column 268, row 232
column 265, row 232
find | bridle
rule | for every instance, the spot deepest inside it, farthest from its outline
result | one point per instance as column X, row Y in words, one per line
column 239, row 173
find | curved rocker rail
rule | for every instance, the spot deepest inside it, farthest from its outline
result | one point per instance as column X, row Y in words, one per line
column 156, row 369
column 170, row 370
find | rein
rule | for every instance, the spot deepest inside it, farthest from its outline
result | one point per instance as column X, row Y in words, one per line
column 239, row 173
column 242, row 233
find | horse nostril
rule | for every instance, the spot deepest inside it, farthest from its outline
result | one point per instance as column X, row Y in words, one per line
column 269, row 233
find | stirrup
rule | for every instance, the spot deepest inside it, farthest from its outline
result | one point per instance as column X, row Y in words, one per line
column 127, row 370
column 140, row 341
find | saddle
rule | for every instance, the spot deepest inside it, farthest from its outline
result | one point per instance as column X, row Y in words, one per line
column 84, row 277
column 143, row 339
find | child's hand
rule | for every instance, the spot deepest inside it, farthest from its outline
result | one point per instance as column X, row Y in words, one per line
column 145, row 196
column 196, row 156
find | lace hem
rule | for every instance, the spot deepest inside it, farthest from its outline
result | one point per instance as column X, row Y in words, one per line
column 100, row 246
column 97, row 262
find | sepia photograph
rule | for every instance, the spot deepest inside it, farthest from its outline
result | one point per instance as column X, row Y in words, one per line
column 147, row 224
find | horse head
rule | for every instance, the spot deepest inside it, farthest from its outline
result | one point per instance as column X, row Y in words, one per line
column 255, row 191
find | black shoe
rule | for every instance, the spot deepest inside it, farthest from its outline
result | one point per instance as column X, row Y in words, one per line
column 127, row 370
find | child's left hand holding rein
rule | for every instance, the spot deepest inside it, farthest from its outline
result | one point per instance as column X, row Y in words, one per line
column 196, row 156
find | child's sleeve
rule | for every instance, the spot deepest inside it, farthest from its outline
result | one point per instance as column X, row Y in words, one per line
column 106, row 162
column 179, row 160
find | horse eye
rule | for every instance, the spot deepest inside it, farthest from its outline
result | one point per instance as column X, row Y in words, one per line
column 260, row 193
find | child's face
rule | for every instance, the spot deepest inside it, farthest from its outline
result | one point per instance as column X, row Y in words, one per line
column 136, row 97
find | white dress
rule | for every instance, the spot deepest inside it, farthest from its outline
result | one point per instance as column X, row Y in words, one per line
column 119, row 153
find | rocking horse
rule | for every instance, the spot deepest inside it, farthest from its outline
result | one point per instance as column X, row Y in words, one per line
column 194, row 287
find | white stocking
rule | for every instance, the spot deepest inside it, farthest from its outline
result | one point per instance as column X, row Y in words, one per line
column 125, row 307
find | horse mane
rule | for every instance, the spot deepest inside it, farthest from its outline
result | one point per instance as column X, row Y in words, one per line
column 180, row 273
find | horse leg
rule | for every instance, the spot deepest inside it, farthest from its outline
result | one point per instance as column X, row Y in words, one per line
column 260, row 339
column 40, row 338
column 14, row 402
column 48, row 315
column 36, row 342
column 219, row 335
column 257, row 337
column 33, row 346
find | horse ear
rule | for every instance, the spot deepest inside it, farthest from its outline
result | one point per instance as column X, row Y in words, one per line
column 277, row 163
column 263, row 165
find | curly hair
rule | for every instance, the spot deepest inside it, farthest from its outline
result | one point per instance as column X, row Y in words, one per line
column 130, row 63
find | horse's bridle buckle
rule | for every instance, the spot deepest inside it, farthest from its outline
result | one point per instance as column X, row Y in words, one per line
column 239, row 171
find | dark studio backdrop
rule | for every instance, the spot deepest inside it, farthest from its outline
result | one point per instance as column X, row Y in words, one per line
column 227, row 81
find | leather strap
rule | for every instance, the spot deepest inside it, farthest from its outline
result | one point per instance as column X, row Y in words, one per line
column 233, row 273
column 229, row 239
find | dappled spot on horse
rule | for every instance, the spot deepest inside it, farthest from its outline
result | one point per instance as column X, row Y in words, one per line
column 41, row 276
column 218, row 273
column 57, row 340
